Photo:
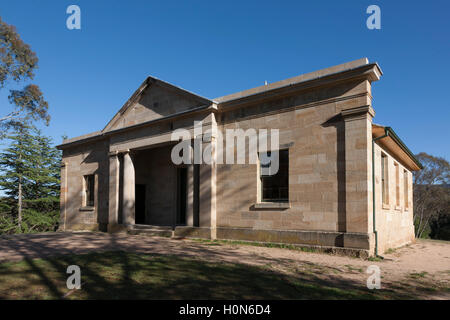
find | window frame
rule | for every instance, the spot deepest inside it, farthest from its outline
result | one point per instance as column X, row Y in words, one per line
column 261, row 178
column 384, row 179
column 88, row 195
column 397, row 185
column 406, row 189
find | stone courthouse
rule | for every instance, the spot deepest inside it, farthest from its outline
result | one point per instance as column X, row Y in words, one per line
column 344, row 183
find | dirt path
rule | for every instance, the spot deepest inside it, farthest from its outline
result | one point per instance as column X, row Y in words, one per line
column 425, row 263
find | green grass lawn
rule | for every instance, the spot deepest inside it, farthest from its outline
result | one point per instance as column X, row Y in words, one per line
column 121, row 275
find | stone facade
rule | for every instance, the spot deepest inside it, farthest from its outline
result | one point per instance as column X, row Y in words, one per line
column 394, row 221
column 325, row 122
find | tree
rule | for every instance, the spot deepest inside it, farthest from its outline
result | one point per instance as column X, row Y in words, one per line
column 430, row 191
column 17, row 64
column 15, row 162
column 42, row 201
column 440, row 224
column 30, row 180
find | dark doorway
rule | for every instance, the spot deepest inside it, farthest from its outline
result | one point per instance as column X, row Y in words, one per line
column 140, row 204
column 181, row 196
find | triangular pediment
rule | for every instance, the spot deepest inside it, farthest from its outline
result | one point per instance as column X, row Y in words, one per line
column 155, row 99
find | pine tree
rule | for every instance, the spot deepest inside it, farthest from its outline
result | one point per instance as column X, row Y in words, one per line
column 14, row 162
column 30, row 180
column 42, row 201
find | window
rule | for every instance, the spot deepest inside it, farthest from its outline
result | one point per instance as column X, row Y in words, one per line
column 275, row 187
column 384, row 179
column 89, row 186
column 405, row 188
column 397, row 185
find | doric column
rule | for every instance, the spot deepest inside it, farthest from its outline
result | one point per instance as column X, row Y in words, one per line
column 207, row 196
column 190, row 196
column 113, row 207
column 128, row 190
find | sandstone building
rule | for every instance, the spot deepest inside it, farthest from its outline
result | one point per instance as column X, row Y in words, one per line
column 343, row 182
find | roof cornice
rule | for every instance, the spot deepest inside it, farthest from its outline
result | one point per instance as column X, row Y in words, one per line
column 371, row 72
column 99, row 135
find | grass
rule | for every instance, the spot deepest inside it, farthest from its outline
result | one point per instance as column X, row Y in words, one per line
column 375, row 259
column 351, row 268
column 258, row 244
column 417, row 275
column 125, row 275
column 390, row 250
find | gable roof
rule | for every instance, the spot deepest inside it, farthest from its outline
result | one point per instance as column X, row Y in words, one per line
column 140, row 90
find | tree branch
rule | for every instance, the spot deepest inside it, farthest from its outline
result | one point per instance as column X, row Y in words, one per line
column 12, row 115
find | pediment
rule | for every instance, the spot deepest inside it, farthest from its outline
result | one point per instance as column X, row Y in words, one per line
column 154, row 99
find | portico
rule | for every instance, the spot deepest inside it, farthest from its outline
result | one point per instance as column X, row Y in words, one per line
column 147, row 188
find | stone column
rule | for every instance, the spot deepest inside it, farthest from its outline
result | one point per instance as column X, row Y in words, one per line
column 113, row 202
column 358, row 169
column 63, row 197
column 128, row 190
column 190, row 196
column 207, row 196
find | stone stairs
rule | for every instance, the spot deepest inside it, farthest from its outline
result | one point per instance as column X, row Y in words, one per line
column 148, row 230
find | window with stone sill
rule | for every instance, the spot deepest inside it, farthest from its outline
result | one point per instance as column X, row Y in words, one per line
column 275, row 187
column 89, row 190
column 405, row 189
column 384, row 180
column 397, row 185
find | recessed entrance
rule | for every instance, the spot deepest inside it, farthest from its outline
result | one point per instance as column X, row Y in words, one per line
column 165, row 194
column 181, row 195
column 155, row 186
column 140, row 190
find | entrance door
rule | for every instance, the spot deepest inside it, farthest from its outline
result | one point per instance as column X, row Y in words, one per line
column 181, row 195
column 140, row 204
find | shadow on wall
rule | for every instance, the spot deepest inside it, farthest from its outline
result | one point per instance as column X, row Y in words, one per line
column 338, row 123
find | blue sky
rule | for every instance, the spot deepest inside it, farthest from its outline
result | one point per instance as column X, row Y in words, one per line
column 214, row 48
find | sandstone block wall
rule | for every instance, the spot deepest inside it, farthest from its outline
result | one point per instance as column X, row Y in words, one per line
column 78, row 162
column 319, row 195
column 394, row 223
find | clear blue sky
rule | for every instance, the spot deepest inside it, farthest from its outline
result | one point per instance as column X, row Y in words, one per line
column 215, row 48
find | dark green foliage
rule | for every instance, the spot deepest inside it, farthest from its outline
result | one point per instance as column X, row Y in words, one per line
column 432, row 197
column 32, row 162
column 440, row 225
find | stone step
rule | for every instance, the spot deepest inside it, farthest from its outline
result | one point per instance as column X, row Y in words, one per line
column 149, row 227
column 151, row 232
